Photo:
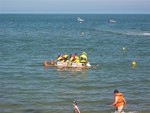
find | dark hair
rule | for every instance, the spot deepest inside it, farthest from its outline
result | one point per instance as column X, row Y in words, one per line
column 116, row 91
column 75, row 102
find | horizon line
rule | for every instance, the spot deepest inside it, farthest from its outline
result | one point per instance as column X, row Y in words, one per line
column 68, row 13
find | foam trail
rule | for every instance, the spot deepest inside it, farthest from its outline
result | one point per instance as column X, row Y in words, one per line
column 138, row 34
column 134, row 33
column 145, row 34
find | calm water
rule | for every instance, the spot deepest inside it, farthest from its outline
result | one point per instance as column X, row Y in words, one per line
column 27, row 87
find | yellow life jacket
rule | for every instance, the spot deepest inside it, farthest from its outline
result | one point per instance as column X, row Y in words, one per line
column 72, row 58
column 83, row 58
column 65, row 56
column 77, row 59
column 60, row 58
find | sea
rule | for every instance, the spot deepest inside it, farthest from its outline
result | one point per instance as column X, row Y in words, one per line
column 26, row 40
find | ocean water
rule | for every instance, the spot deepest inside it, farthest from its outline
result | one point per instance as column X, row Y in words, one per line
column 26, row 86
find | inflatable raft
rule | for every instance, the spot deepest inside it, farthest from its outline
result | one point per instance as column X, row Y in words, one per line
column 66, row 64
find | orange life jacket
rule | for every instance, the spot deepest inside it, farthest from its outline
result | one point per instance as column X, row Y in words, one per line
column 120, row 100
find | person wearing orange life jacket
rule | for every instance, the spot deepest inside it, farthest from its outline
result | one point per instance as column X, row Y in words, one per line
column 119, row 101
column 83, row 58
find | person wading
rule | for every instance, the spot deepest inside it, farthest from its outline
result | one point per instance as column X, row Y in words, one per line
column 75, row 107
column 119, row 101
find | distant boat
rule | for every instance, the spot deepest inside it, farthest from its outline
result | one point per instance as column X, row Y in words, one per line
column 112, row 21
column 80, row 19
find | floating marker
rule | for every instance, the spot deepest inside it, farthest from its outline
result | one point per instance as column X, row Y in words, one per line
column 82, row 33
column 123, row 49
column 133, row 63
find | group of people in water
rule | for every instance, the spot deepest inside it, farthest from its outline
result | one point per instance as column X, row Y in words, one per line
column 73, row 58
column 119, row 103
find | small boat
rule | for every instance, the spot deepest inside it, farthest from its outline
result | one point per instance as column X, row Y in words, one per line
column 112, row 21
column 80, row 19
column 66, row 64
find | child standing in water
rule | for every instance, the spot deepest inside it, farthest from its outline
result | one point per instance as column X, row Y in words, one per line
column 75, row 107
column 119, row 101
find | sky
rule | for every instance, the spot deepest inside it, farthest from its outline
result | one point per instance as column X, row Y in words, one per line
column 76, row 6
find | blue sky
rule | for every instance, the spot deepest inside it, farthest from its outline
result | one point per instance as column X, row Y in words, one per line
column 75, row 6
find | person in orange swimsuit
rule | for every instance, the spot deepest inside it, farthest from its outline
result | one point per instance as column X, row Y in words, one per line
column 119, row 101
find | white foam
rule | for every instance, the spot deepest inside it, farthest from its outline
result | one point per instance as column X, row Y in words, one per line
column 145, row 34
column 126, row 112
column 139, row 34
